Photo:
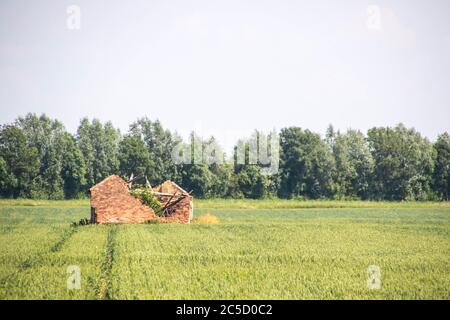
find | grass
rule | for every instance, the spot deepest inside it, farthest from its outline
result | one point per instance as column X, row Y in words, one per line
column 254, row 252
column 43, row 203
column 249, row 204
column 105, row 277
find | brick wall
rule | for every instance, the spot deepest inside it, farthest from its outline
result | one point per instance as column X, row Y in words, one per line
column 112, row 203
column 183, row 210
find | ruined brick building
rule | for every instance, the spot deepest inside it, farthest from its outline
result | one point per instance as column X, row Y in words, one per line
column 111, row 202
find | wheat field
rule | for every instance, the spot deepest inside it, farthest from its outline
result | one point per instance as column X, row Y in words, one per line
column 248, row 253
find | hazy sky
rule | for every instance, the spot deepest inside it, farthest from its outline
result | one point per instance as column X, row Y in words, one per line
column 231, row 65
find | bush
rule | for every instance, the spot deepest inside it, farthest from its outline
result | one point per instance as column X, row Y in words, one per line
column 207, row 218
column 82, row 222
column 147, row 198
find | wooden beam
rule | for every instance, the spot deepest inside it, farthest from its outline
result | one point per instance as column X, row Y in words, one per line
column 163, row 194
column 148, row 182
column 168, row 201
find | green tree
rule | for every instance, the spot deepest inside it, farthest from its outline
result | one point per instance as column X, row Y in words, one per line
column 134, row 157
column 45, row 135
column 251, row 182
column 441, row 175
column 307, row 165
column 403, row 163
column 354, row 165
column 160, row 143
column 111, row 147
column 85, row 144
column 330, row 136
column 19, row 162
column 7, row 180
column 224, row 181
column 99, row 145
column 62, row 168
column 73, row 167
column 196, row 175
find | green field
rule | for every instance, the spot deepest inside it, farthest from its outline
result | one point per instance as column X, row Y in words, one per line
column 259, row 250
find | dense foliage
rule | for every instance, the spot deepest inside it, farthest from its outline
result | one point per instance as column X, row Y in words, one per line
column 147, row 198
column 40, row 159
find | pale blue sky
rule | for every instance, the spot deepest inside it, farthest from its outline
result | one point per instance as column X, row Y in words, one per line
column 229, row 66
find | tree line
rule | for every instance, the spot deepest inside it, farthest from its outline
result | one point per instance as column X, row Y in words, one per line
column 39, row 159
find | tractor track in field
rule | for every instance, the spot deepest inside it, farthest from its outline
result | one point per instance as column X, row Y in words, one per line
column 65, row 236
column 104, row 284
column 35, row 260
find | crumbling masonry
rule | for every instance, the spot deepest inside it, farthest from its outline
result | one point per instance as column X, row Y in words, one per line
column 111, row 202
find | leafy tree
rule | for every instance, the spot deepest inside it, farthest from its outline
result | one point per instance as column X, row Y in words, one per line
column 330, row 136
column 307, row 165
column 7, row 180
column 61, row 169
column 45, row 135
column 51, row 182
column 403, row 163
column 99, row 145
column 105, row 150
column 251, row 182
column 19, row 162
column 224, row 181
column 73, row 167
column 41, row 131
column 134, row 157
column 354, row 165
column 85, row 144
column 160, row 143
column 111, row 147
column 196, row 175
column 441, row 175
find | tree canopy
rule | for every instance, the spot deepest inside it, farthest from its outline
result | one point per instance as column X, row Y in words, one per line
column 40, row 159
